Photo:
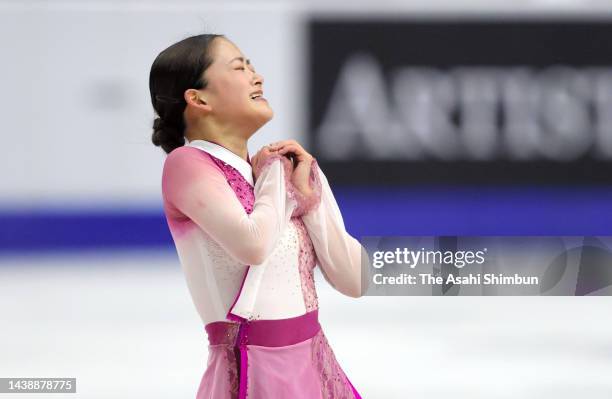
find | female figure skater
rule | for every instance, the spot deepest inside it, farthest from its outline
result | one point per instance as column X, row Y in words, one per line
column 248, row 232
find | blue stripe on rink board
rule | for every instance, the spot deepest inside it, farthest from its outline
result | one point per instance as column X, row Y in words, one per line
column 417, row 210
column 54, row 230
column 477, row 210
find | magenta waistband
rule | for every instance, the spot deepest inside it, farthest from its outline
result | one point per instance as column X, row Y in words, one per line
column 272, row 333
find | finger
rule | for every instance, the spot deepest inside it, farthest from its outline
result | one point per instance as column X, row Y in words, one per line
column 299, row 156
column 289, row 148
column 285, row 142
column 282, row 143
column 269, row 149
column 299, row 152
column 288, row 151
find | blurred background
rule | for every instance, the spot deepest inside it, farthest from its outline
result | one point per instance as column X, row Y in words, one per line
column 429, row 118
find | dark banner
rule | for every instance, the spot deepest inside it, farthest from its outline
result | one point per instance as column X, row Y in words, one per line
column 472, row 101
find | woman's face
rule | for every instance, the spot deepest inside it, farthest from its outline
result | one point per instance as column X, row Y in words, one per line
column 232, row 80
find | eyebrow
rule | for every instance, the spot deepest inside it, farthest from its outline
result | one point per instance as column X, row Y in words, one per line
column 248, row 61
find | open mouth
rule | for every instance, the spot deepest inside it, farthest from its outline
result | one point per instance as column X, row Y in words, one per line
column 258, row 97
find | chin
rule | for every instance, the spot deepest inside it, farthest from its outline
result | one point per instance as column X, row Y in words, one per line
column 265, row 117
column 270, row 115
column 259, row 122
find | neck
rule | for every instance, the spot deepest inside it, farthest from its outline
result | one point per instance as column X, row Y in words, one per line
column 235, row 144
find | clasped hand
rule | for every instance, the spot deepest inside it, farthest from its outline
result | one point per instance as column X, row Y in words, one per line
column 301, row 159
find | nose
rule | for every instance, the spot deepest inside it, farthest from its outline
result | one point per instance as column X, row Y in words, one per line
column 258, row 79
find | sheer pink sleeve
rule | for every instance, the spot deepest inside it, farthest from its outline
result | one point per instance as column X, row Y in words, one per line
column 339, row 254
column 307, row 203
column 304, row 203
column 193, row 184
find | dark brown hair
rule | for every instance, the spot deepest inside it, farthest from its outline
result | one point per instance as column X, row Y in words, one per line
column 176, row 69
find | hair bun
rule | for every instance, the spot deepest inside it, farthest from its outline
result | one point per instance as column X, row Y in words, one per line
column 166, row 136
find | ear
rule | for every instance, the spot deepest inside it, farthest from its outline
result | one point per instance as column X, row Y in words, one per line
column 197, row 99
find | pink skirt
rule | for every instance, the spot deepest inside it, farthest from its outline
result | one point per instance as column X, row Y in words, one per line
column 263, row 359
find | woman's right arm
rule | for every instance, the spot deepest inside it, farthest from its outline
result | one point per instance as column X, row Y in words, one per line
column 195, row 186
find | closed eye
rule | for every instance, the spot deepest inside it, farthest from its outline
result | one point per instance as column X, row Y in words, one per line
column 250, row 67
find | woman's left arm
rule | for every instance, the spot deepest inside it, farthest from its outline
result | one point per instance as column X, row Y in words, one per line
column 342, row 258
column 339, row 254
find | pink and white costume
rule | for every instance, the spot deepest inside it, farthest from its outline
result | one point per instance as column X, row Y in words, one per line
column 248, row 251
